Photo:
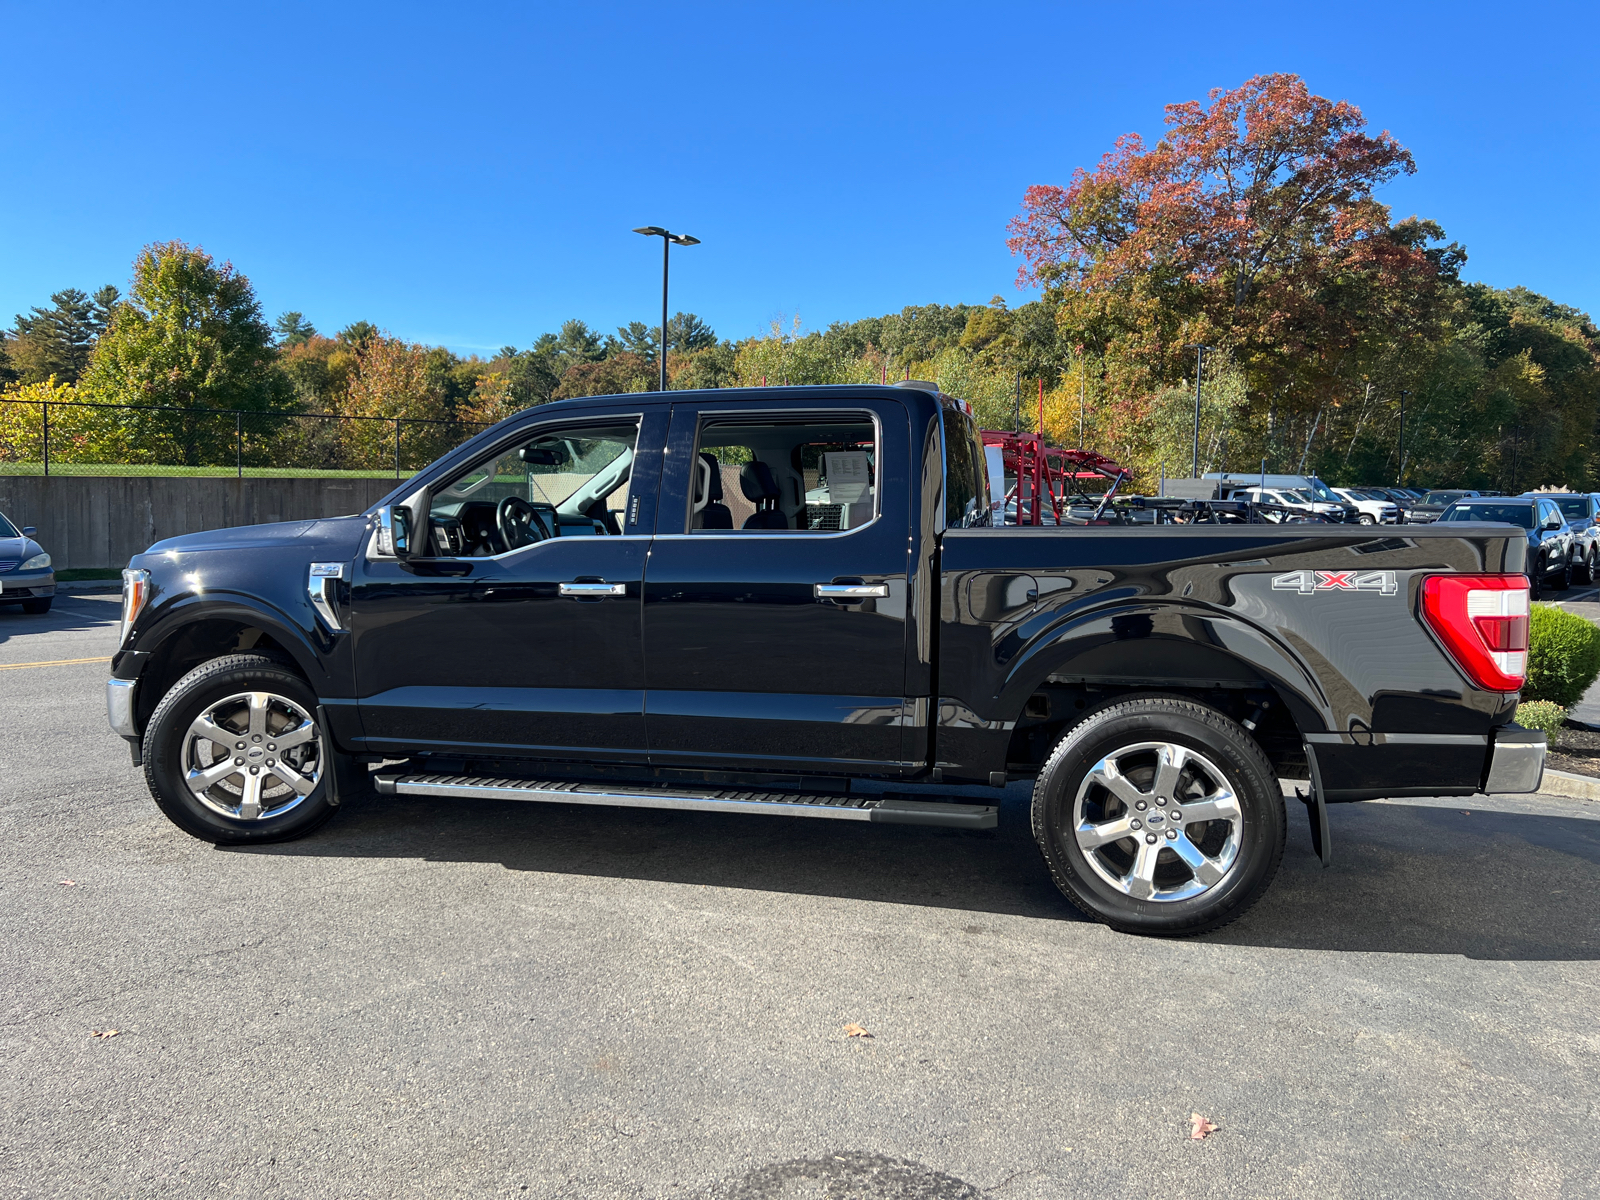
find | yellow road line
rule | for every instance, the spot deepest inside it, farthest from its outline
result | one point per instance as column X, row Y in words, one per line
column 57, row 662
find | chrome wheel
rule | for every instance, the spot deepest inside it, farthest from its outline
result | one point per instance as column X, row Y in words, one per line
column 1158, row 821
column 252, row 756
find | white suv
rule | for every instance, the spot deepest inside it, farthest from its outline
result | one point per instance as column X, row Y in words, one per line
column 1371, row 508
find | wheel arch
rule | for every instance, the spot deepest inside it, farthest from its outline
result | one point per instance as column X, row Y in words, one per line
column 199, row 630
column 1218, row 659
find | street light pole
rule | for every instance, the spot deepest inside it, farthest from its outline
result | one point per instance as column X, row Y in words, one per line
column 1199, row 368
column 1401, row 481
column 667, row 239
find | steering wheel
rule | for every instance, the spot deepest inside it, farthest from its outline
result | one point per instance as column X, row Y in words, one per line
column 518, row 522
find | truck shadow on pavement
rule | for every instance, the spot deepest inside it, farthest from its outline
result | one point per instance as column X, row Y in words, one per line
column 1411, row 880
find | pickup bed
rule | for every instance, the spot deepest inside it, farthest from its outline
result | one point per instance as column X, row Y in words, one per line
column 790, row 601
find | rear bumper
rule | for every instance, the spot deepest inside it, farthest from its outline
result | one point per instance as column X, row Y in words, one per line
column 1516, row 761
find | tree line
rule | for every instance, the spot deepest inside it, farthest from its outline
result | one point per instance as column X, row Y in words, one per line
column 1250, row 228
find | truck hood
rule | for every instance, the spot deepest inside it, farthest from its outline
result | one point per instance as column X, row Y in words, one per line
column 330, row 537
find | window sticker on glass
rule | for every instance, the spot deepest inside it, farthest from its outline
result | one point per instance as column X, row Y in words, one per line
column 848, row 477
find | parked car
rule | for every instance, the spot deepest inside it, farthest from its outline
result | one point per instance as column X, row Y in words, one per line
column 1551, row 545
column 556, row 612
column 1292, row 498
column 1433, row 503
column 1316, row 491
column 1373, row 507
column 1581, row 511
column 26, row 575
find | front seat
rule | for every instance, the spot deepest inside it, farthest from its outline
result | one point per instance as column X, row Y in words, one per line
column 715, row 514
column 761, row 489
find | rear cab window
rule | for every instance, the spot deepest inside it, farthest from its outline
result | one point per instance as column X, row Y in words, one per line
column 784, row 473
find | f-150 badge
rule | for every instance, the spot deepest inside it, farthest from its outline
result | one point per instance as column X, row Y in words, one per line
column 1306, row 582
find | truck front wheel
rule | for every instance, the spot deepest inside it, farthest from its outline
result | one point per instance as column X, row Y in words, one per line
column 233, row 753
column 1159, row 816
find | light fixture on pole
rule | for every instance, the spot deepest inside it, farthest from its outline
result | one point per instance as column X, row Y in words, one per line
column 667, row 239
column 1199, row 368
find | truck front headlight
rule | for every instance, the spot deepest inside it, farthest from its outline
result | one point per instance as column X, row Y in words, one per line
column 37, row 563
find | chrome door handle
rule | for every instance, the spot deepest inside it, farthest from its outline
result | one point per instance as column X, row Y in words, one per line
column 591, row 590
column 852, row 591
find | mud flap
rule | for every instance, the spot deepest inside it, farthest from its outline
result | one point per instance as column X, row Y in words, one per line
column 1317, row 809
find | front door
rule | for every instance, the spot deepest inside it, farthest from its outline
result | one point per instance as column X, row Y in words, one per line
column 518, row 632
column 775, row 599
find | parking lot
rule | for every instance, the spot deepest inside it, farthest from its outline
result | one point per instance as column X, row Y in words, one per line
column 430, row 998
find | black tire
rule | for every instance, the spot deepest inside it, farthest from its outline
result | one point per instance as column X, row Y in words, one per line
column 1565, row 578
column 210, row 684
column 1364, row 519
column 1536, row 583
column 1586, row 571
column 38, row 607
column 1223, row 745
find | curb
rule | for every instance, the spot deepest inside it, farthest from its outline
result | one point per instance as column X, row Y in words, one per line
column 1574, row 787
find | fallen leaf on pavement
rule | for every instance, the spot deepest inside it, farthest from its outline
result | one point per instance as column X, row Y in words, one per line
column 853, row 1030
column 104, row 1033
column 69, row 883
column 1199, row 1127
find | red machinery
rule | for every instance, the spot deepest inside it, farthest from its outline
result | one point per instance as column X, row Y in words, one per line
column 1047, row 472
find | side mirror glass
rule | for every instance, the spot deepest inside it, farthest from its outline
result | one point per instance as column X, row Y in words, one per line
column 30, row 531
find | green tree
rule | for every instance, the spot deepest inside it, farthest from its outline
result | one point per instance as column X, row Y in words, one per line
column 293, row 329
column 190, row 335
column 56, row 341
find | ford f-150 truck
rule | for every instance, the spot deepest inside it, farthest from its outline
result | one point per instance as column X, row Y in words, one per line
column 790, row 601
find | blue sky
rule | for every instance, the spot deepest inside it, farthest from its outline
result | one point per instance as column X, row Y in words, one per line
column 467, row 174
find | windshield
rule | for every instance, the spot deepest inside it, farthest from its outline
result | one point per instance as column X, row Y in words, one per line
column 1322, row 491
column 7, row 529
column 1511, row 514
column 1442, row 497
column 1574, row 508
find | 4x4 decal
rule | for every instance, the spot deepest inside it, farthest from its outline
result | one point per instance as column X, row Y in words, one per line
column 1306, row 582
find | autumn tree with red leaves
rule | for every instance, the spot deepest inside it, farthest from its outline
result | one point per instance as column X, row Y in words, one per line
column 1252, row 226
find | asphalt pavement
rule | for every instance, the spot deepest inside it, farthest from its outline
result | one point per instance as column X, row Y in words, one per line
column 433, row 998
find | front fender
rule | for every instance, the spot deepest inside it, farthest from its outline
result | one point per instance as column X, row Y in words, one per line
column 299, row 634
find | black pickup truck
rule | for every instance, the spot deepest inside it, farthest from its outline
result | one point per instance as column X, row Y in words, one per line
column 791, row 601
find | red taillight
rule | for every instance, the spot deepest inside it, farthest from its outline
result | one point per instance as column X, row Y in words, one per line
column 1483, row 622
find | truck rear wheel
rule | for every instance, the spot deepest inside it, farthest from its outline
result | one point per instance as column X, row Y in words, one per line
column 1159, row 816
column 233, row 753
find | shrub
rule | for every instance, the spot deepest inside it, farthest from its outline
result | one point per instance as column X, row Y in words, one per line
column 1541, row 715
column 1563, row 656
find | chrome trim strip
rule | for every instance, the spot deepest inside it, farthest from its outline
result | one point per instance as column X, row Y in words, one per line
column 119, row 706
column 317, row 590
column 1369, row 738
column 852, row 591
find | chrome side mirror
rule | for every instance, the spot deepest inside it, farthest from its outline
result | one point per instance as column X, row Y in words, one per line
column 394, row 531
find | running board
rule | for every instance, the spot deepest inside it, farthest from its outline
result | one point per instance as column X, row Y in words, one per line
column 892, row 810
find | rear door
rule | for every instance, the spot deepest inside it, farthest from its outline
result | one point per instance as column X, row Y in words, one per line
column 780, row 640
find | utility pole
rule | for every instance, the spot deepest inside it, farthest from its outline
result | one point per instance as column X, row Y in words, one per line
column 1199, row 368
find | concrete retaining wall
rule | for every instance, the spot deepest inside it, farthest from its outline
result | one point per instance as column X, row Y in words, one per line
column 104, row 520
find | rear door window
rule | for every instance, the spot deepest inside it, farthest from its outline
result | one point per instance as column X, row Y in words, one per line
column 796, row 473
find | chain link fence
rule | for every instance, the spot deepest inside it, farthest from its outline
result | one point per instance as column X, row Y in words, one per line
column 83, row 438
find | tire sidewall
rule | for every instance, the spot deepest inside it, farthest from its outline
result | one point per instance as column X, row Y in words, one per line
column 163, row 752
column 1260, row 798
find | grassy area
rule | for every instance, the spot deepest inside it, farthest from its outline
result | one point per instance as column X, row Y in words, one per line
column 84, row 574
column 128, row 469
